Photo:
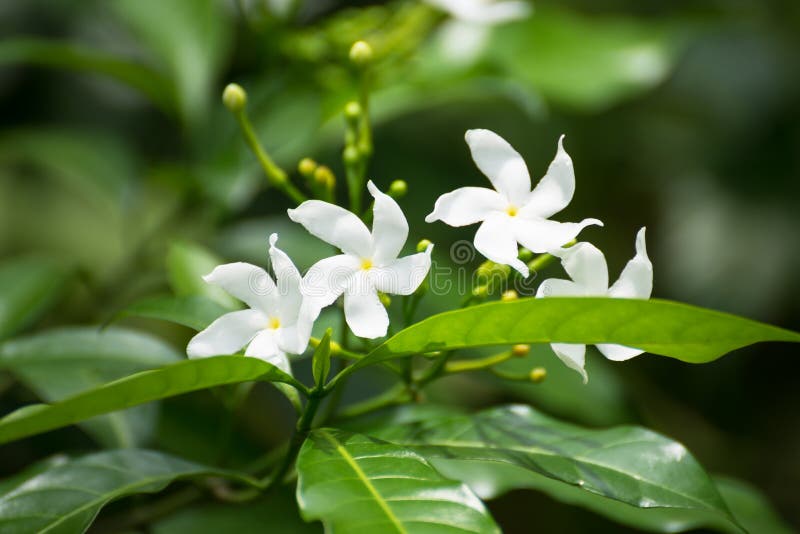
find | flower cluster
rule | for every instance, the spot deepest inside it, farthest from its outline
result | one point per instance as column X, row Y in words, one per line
column 282, row 310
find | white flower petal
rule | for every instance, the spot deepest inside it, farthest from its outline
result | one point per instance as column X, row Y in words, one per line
column 327, row 279
column 587, row 266
column 636, row 280
column 265, row 347
column 573, row 355
column 228, row 334
column 335, row 225
column 403, row 276
column 618, row 353
column 467, row 205
column 555, row 287
column 540, row 235
column 288, row 282
column 495, row 240
column 293, row 339
column 483, row 12
column 389, row 226
column 248, row 283
column 555, row 191
column 363, row 311
column 503, row 165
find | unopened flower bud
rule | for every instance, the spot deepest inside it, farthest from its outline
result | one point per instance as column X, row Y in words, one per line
column 352, row 111
column 525, row 255
column 360, row 53
column 234, row 97
column 323, row 175
column 307, row 166
column 520, row 350
column 351, row 155
column 537, row 374
column 509, row 295
column 398, row 188
column 480, row 291
column 423, row 245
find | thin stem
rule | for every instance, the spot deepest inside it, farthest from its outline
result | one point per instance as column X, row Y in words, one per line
column 465, row 366
column 399, row 394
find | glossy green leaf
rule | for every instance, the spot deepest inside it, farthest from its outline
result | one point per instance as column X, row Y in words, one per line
column 187, row 263
column 681, row 331
column 59, row 54
column 321, row 360
column 356, row 483
column 67, row 497
column 628, row 473
column 750, row 507
column 194, row 311
column 56, row 364
column 147, row 386
column 28, row 288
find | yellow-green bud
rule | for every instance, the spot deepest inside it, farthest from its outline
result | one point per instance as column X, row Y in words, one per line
column 323, row 175
column 423, row 245
column 398, row 188
column 352, row 111
column 351, row 155
column 525, row 255
column 234, row 97
column 307, row 166
column 360, row 53
column 385, row 299
column 480, row 291
column 537, row 374
column 509, row 295
column 520, row 350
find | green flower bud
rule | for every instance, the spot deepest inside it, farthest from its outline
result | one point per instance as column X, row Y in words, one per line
column 520, row 350
column 352, row 111
column 423, row 245
column 537, row 374
column 509, row 295
column 360, row 53
column 234, row 97
column 351, row 155
column 398, row 188
column 307, row 166
column 324, row 175
column 525, row 255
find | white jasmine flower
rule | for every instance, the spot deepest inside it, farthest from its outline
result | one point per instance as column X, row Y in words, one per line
column 512, row 213
column 369, row 262
column 277, row 323
column 587, row 267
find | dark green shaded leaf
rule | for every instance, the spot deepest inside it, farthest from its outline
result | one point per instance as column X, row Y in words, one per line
column 140, row 388
column 187, row 263
column 28, row 288
column 195, row 311
column 352, row 482
column 750, row 507
column 67, row 497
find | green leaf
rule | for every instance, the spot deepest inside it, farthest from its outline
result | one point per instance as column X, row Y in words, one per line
column 681, row 331
column 148, row 386
column 28, row 288
column 187, row 263
column 356, row 483
column 59, row 363
column 321, row 361
column 67, row 497
column 585, row 62
column 628, row 473
column 59, row 54
column 194, row 311
column 750, row 507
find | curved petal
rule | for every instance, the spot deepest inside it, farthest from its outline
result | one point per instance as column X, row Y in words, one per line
column 555, row 190
column 586, row 265
column 327, row 279
column 403, row 276
column 248, row 283
column 495, row 240
column 265, row 347
column 541, row 235
column 292, row 339
column 618, row 353
column 228, row 334
column 288, row 282
column 503, row 165
column 636, row 280
column 363, row 311
column 335, row 225
column 555, row 287
column 389, row 226
column 573, row 355
column 466, row 205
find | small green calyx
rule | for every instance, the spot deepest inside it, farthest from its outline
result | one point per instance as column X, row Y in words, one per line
column 234, row 98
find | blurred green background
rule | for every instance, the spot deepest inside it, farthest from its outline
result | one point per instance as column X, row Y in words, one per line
column 121, row 172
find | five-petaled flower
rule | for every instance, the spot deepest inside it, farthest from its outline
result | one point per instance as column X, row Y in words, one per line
column 587, row 267
column 512, row 213
column 276, row 324
column 369, row 262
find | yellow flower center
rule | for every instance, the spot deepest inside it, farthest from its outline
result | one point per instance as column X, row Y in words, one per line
column 512, row 210
column 274, row 323
column 366, row 264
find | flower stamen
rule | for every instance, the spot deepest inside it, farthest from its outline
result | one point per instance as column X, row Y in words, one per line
column 274, row 323
column 511, row 210
column 366, row 264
